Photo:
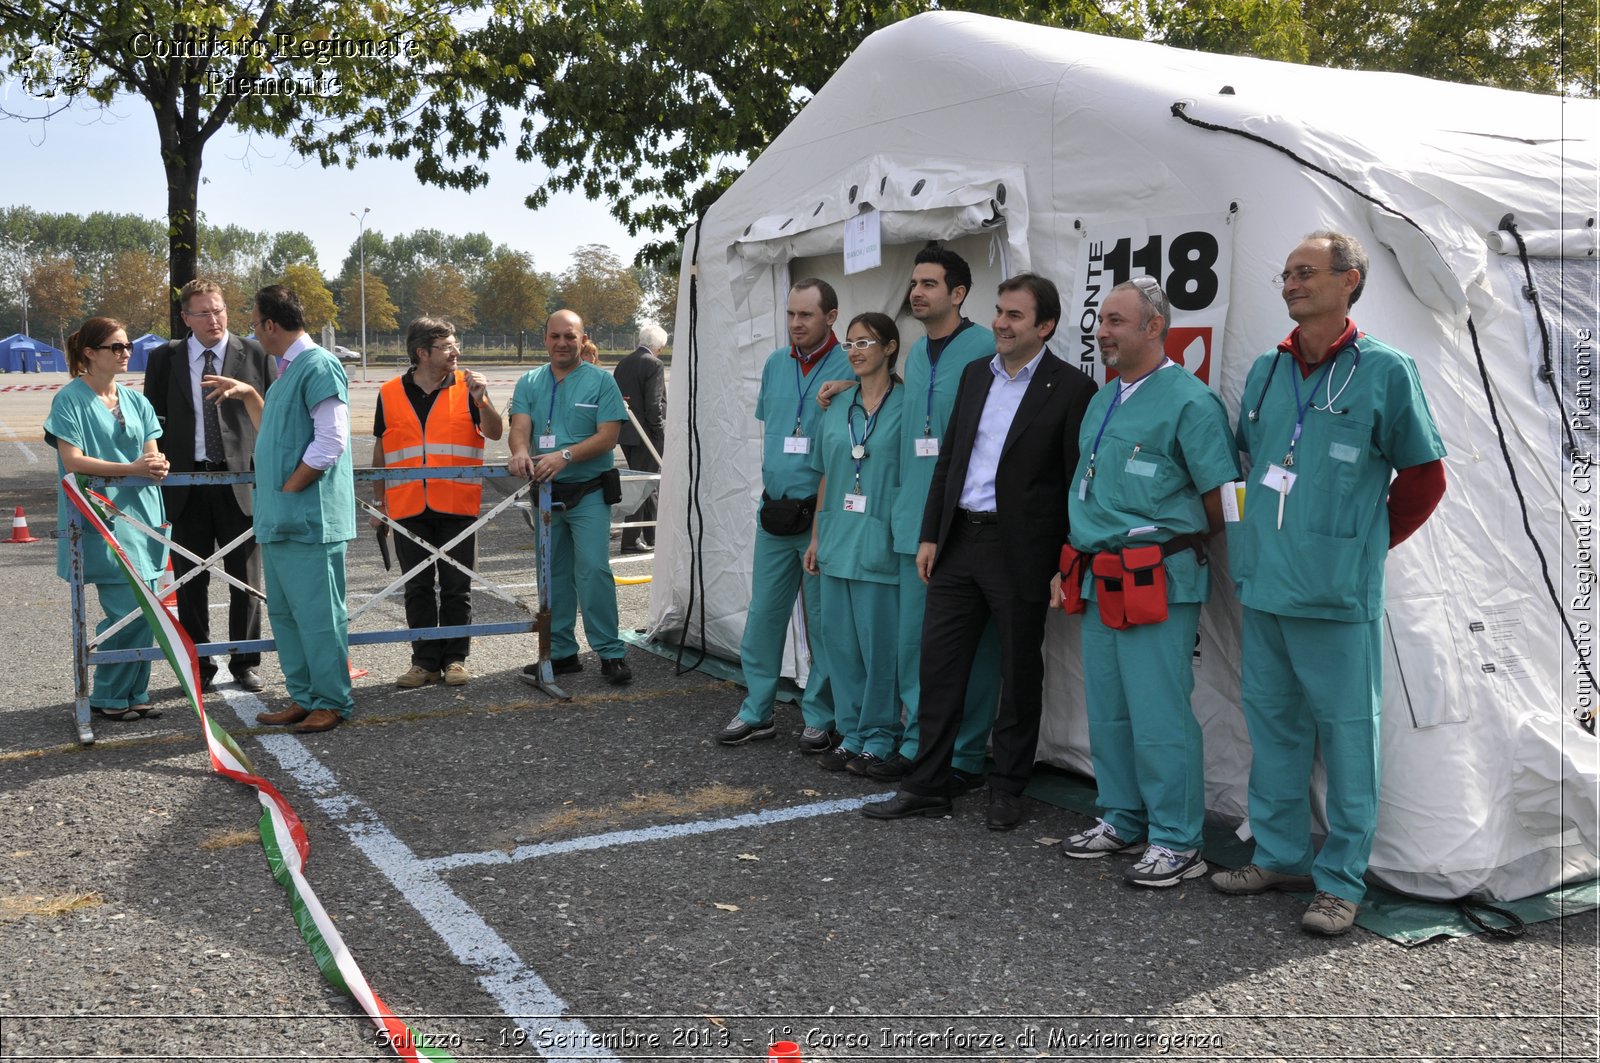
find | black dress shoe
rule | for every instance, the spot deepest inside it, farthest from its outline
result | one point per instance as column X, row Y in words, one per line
column 1005, row 810
column 563, row 665
column 964, row 782
column 250, row 680
column 902, row 805
column 616, row 672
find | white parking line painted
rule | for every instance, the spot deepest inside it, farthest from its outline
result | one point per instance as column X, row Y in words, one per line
column 515, row 987
column 652, row 834
column 11, row 436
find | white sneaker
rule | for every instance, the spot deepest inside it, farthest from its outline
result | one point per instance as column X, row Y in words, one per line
column 1160, row 867
column 1099, row 840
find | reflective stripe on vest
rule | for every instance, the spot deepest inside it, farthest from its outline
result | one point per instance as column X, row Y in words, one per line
column 450, row 439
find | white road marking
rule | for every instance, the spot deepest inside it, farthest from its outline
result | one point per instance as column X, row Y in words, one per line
column 651, row 834
column 515, row 987
column 27, row 453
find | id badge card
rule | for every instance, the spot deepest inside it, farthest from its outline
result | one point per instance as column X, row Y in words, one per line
column 928, row 447
column 854, row 503
column 796, row 445
column 1278, row 479
column 547, row 442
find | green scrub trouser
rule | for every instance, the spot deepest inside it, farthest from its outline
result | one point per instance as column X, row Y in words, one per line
column 1310, row 683
column 305, row 602
column 125, row 685
column 1143, row 738
column 858, row 624
column 983, row 685
column 777, row 577
column 580, row 576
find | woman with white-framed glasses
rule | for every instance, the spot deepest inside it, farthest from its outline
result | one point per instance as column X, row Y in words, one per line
column 852, row 548
column 98, row 427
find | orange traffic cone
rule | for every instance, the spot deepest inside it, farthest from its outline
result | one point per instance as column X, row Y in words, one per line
column 164, row 588
column 19, row 529
column 784, row 1051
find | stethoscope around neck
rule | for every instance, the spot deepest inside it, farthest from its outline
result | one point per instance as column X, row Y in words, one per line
column 1332, row 396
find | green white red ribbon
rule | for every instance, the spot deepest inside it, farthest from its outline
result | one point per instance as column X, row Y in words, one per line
column 283, row 836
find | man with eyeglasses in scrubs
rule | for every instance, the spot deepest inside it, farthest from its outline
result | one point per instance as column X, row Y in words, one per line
column 1154, row 451
column 1326, row 421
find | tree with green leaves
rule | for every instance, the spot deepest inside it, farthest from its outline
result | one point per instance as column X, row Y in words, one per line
column 55, row 293
column 600, row 288
column 380, row 309
column 443, row 292
column 679, row 123
column 513, row 295
column 340, row 79
column 315, row 298
column 134, row 292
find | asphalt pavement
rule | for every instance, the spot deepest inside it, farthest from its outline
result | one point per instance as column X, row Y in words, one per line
column 522, row 877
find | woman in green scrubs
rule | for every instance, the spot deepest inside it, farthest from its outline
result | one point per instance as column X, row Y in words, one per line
column 858, row 454
column 100, row 428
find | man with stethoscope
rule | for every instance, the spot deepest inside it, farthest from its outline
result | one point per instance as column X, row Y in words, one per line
column 1326, row 420
column 789, row 415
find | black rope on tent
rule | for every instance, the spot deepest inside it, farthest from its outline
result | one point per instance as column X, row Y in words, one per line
column 1547, row 371
column 694, row 517
column 1585, row 717
column 1513, row 928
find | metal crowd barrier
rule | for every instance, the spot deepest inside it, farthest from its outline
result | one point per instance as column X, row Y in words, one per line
column 84, row 641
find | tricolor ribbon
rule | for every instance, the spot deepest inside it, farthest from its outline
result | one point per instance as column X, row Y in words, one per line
column 283, row 836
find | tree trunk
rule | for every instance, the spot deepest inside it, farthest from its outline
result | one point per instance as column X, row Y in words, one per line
column 182, row 162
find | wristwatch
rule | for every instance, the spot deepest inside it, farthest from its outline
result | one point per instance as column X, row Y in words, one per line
column 567, row 455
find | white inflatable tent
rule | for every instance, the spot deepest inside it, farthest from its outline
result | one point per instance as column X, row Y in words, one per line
column 1085, row 157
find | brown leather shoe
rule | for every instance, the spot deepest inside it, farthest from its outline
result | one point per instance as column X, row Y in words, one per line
column 319, row 720
column 293, row 714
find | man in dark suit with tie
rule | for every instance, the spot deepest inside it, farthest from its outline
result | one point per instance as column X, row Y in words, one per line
column 643, row 382
column 204, row 436
column 992, row 532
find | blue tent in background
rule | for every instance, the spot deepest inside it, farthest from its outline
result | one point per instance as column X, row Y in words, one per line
column 139, row 360
column 20, row 354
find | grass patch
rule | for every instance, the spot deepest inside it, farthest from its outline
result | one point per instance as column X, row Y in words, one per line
column 706, row 799
column 230, row 839
column 48, row 907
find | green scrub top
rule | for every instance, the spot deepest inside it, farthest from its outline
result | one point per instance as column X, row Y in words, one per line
column 1162, row 448
column 930, row 399
column 325, row 512
column 859, row 545
column 572, row 409
column 1326, row 562
column 786, row 393
column 79, row 417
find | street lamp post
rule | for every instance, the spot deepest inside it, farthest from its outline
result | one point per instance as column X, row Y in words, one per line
column 361, row 221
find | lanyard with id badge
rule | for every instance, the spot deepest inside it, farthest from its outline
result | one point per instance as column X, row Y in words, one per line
column 548, row 440
column 1123, row 391
column 927, row 444
column 798, row 443
column 856, row 502
column 1280, row 478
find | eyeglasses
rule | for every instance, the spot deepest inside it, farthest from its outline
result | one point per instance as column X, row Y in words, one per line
column 449, row 348
column 1303, row 274
column 209, row 314
column 858, row 345
column 115, row 348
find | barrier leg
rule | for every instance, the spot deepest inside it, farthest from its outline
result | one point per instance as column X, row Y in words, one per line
column 80, row 633
column 547, row 676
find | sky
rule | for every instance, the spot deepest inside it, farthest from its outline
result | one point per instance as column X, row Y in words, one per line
column 90, row 159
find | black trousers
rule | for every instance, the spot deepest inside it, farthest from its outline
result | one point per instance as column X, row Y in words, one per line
column 970, row 585
column 211, row 517
column 448, row 605
column 639, row 458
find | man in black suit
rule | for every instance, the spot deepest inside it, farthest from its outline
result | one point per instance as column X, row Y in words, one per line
column 205, row 436
column 643, row 382
column 992, row 532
